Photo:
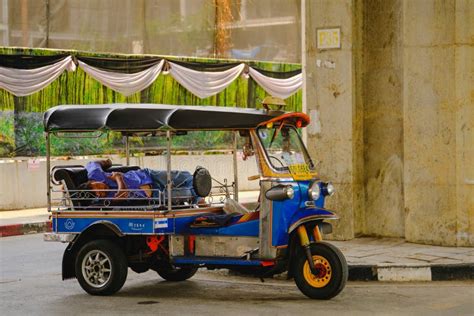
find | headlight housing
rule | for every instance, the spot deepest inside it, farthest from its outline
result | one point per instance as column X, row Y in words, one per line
column 280, row 192
column 314, row 191
column 330, row 188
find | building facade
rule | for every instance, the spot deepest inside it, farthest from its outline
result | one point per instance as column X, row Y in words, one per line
column 392, row 106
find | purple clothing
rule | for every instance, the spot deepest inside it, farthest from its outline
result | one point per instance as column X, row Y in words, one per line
column 133, row 179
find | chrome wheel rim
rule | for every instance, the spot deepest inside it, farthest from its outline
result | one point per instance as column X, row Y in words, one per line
column 96, row 268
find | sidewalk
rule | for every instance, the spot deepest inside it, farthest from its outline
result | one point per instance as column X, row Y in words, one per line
column 21, row 222
column 369, row 259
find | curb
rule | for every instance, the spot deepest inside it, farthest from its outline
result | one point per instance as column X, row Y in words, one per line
column 397, row 273
column 24, row 229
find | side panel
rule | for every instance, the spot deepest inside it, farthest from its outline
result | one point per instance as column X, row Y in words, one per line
column 212, row 246
column 267, row 250
column 125, row 225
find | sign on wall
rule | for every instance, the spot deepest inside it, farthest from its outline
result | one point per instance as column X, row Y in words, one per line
column 328, row 38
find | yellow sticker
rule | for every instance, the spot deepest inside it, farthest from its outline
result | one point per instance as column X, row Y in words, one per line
column 300, row 171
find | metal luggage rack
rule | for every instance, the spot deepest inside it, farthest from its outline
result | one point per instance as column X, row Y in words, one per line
column 86, row 200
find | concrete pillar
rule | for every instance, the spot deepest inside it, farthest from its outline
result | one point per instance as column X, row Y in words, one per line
column 438, row 121
column 383, row 118
column 334, row 136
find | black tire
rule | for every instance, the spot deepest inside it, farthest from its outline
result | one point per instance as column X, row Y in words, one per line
column 92, row 262
column 175, row 274
column 333, row 267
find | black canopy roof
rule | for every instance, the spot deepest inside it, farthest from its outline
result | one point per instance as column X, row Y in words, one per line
column 149, row 117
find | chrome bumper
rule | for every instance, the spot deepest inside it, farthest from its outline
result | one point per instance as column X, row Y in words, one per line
column 58, row 237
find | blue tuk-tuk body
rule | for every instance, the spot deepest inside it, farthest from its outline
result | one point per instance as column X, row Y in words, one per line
column 175, row 238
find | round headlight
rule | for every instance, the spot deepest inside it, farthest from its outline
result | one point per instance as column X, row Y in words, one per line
column 290, row 192
column 314, row 191
column 330, row 188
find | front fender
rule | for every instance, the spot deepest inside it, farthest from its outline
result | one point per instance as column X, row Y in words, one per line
column 310, row 215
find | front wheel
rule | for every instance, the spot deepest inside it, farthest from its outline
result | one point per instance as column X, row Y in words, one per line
column 175, row 274
column 332, row 271
column 101, row 267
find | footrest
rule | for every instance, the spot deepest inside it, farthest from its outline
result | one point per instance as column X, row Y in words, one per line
column 212, row 221
column 218, row 261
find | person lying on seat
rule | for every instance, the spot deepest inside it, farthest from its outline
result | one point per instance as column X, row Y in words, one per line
column 141, row 183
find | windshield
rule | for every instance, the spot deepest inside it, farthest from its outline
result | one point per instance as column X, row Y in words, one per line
column 284, row 147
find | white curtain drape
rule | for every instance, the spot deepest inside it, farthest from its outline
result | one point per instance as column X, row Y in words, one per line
column 126, row 84
column 204, row 83
column 23, row 82
column 281, row 88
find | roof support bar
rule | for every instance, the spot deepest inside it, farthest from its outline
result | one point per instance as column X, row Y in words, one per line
column 48, row 169
column 168, row 167
column 236, row 175
column 127, row 150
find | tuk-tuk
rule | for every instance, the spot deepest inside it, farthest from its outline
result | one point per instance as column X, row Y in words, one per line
column 175, row 230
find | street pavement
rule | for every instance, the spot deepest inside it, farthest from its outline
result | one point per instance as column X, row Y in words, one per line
column 30, row 284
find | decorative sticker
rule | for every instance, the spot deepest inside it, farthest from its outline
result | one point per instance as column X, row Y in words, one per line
column 69, row 224
column 161, row 223
column 300, row 171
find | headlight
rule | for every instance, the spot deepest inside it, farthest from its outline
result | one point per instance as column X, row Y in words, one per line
column 330, row 188
column 314, row 191
column 290, row 192
column 280, row 192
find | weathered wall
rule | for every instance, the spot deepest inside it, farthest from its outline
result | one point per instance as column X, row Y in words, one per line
column 438, row 121
column 383, row 118
column 393, row 122
column 332, row 106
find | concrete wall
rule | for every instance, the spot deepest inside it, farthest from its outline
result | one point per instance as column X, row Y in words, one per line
column 25, row 187
column 438, row 120
column 393, row 121
column 383, row 118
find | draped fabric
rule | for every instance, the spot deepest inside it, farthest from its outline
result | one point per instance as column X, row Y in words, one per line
column 212, row 67
column 281, row 88
column 126, row 84
column 28, row 61
column 23, row 82
column 23, row 75
column 204, row 83
column 278, row 74
column 122, row 65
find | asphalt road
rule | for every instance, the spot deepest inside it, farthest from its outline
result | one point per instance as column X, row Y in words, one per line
column 30, row 284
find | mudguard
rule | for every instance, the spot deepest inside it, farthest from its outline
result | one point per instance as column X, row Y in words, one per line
column 310, row 215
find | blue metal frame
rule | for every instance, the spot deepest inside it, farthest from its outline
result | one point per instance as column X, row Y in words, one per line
column 284, row 214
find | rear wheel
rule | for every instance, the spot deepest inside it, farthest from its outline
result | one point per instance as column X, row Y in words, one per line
column 330, row 277
column 175, row 274
column 101, row 267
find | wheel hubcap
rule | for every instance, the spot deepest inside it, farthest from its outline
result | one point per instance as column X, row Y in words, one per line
column 324, row 272
column 96, row 268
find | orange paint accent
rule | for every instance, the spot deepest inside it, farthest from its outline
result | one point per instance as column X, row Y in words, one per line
column 249, row 217
column 323, row 278
column 267, row 263
column 304, row 118
column 317, row 234
column 192, row 243
column 303, row 235
column 154, row 242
